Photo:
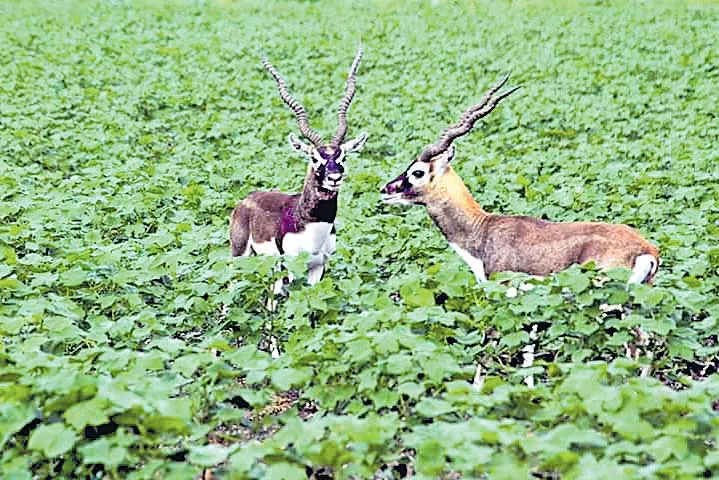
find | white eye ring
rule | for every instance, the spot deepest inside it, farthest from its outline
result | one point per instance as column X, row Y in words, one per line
column 418, row 173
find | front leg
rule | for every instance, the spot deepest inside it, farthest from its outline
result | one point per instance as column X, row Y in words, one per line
column 317, row 263
column 315, row 273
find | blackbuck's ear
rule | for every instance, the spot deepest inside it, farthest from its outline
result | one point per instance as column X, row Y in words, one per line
column 356, row 144
column 441, row 161
column 299, row 145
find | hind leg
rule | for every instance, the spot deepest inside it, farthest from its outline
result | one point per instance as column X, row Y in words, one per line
column 240, row 244
column 278, row 288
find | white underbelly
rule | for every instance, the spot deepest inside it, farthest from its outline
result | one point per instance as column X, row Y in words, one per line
column 264, row 248
column 312, row 239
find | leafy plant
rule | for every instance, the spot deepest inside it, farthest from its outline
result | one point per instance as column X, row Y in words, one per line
column 132, row 347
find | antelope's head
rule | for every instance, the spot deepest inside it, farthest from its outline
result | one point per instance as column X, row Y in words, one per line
column 424, row 176
column 327, row 160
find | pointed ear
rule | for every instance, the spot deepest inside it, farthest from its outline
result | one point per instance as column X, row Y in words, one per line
column 356, row 144
column 441, row 161
column 298, row 144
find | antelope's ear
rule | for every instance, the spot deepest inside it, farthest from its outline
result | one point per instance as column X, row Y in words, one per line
column 299, row 145
column 356, row 144
column 441, row 161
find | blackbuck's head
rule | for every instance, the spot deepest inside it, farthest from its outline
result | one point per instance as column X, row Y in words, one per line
column 424, row 176
column 327, row 160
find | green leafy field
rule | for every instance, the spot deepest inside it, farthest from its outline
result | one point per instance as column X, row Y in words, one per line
column 128, row 131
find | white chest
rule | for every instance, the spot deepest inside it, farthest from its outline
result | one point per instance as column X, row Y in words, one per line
column 476, row 264
column 313, row 239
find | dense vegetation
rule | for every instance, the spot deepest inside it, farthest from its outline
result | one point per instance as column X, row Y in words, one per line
column 128, row 132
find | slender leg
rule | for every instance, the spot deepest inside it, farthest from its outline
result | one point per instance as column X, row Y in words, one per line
column 277, row 289
column 528, row 356
column 316, row 268
column 314, row 275
column 318, row 261
column 240, row 245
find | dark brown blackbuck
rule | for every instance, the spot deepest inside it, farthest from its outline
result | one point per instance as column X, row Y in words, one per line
column 501, row 243
column 276, row 223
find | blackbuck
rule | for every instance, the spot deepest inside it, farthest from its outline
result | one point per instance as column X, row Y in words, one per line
column 498, row 243
column 275, row 223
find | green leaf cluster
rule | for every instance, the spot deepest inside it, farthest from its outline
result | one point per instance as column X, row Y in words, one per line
column 129, row 129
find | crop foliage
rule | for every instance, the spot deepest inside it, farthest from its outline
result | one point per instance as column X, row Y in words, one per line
column 129, row 130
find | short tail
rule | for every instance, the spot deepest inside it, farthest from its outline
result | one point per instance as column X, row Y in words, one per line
column 644, row 269
column 653, row 271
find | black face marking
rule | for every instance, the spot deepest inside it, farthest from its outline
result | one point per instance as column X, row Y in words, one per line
column 329, row 162
column 406, row 186
column 398, row 185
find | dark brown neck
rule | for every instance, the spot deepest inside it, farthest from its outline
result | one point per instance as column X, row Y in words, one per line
column 316, row 204
column 453, row 209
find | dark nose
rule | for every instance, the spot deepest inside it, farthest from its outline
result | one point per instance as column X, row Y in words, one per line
column 335, row 177
column 334, row 168
column 394, row 186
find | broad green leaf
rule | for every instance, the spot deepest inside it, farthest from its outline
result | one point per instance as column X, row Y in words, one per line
column 574, row 279
column 12, row 419
column 73, row 278
column 284, row 471
column 433, row 407
column 285, row 378
column 52, row 440
column 667, row 446
column 103, row 452
column 208, row 455
column 399, row 363
column 91, row 412
column 411, row 389
column 128, row 135
column 431, row 457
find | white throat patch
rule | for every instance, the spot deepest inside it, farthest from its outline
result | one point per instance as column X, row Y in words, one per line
column 395, row 199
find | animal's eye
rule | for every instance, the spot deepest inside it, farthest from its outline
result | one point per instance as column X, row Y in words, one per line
column 418, row 173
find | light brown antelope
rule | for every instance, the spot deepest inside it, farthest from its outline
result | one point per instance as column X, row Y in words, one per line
column 275, row 223
column 496, row 243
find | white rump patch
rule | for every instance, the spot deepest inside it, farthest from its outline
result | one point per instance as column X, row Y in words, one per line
column 474, row 263
column 644, row 266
